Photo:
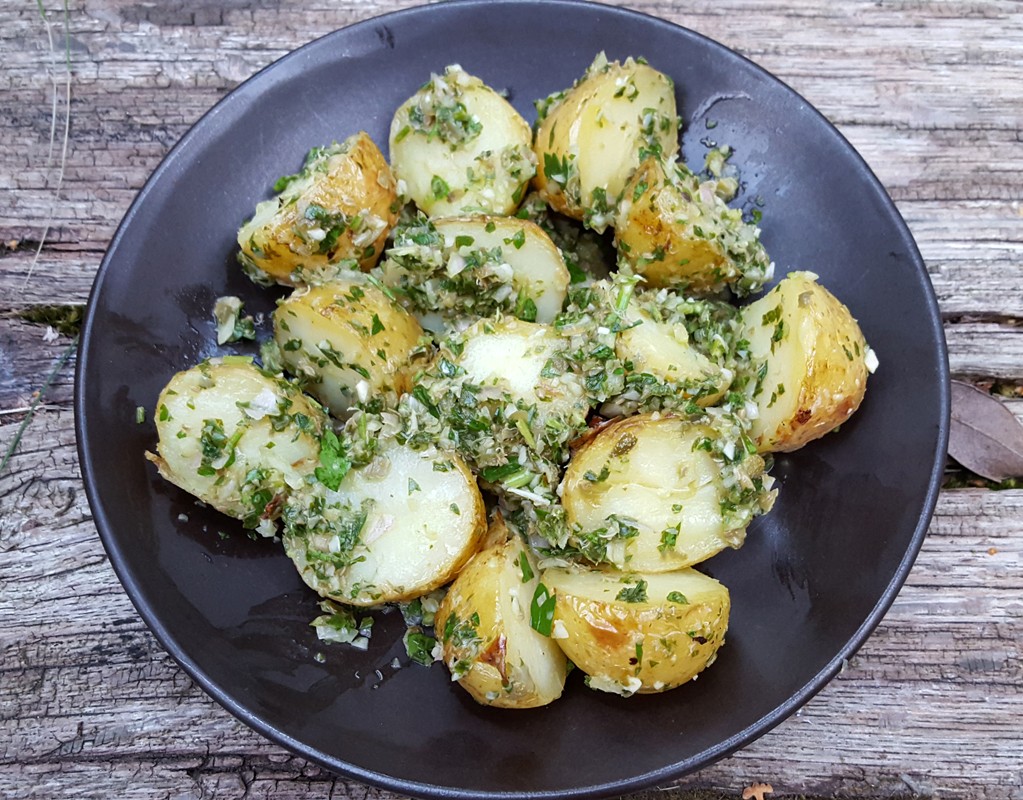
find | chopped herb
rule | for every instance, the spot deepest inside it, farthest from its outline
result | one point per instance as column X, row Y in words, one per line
column 419, row 646
column 527, row 570
column 518, row 239
column 677, row 597
column 423, row 396
column 140, row 415
column 633, row 594
column 439, row 187
column 541, row 610
column 334, row 461
column 378, row 326
column 669, row 536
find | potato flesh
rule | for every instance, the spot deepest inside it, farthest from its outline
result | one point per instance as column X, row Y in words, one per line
column 644, row 645
column 348, row 339
column 538, row 270
column 198, row 415
column 424, row 520
column 599, row 130
column 508, row 356
column 658, row 481
column 816, row 363
column 506, row 663
column 339, row 212
column 485, row 172
column 663, row 350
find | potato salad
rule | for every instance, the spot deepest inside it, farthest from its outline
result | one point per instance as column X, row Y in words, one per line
column 516, row 385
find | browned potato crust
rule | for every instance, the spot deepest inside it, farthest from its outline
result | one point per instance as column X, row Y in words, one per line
column 638, row 633
column 332, row 216
column 483, row 625
column 591, row 140
column 817, row 363
column 675, row 231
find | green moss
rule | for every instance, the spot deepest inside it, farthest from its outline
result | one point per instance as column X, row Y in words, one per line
column 66, row 319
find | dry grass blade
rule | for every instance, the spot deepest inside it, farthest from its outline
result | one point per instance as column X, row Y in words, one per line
column 53, row 122
column 36, row 402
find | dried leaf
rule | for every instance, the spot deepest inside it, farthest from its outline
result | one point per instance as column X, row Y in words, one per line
column 757, row 791
column 984, row 437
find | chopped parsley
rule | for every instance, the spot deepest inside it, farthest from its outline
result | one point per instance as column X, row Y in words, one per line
column 633, row 594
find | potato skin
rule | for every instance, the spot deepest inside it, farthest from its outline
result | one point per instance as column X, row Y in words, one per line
column 645, row 642
column 676, row 232
column 649, row 471
column 396, row 529
column 348, row 339
column 590, row 141
column 658, row 219
column 484, row 630
column 817, row 363
column 334, row 215
column 243, row 460
column 459, row 147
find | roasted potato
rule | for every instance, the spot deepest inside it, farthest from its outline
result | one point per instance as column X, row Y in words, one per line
column 817, row 363
column 633, row 632
column 650, row 493
column 458, row 146
column 513, row 360
column 237, row 438
column 592, row 137
column 538, row 273
column 483, row 625
column 466, row 267
column 648, row 345
column 395, row 529
column 677, row 232
column 333, row 216
column 348, row 340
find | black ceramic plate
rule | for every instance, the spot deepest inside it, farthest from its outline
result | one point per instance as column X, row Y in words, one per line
column 816, row 574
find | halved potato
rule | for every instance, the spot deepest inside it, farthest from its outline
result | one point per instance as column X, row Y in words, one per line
column 662, row 349
column 633, row 632
column 675, row 231
column 459, row 147
column 817, row 363
column 476, row 266
column 395, row 529
column 517, row 361
column 590, row 140
column 237, row 438
column 333, row 216
column 483, row 625
column 538, row 272
column 348, row 339
column 647, row 494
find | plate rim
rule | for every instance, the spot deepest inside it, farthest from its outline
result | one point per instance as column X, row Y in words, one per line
column 644, row 780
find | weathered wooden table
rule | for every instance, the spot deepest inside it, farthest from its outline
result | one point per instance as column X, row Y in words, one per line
column 93, row 93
